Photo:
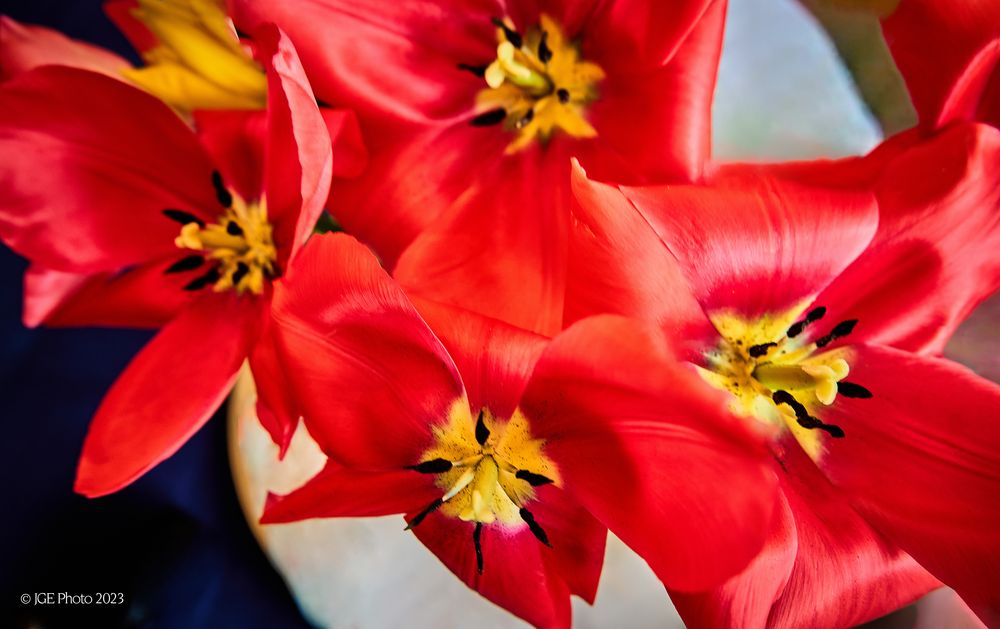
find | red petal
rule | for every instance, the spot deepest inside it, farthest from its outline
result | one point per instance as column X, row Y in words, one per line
column 618, row 265
column 758, row 244
column 168, row 391
column 370, row 376
column 341, row 491
column 495, row 359
column 235, row 140
column 501, row 249
column 402, row 192
column 578, row 540
column 350, row 157
column 643, row 34
column 26, row 47
column 277, row 409
column 665, row 134
column 299, row 158
column 964, row 40
column 518, row 572
column 417, row 43
column 823, row 565
column 934, row 257
column 920, row 461
column 120, row 12
column 142, row 297
column 650, row 450
column 88, row 165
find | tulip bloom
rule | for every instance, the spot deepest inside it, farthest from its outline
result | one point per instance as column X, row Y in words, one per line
column 473, row 109
column 138, row 221
column 509, row 453
column 821, row 317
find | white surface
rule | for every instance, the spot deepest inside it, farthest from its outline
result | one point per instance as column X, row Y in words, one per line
column 782, row 91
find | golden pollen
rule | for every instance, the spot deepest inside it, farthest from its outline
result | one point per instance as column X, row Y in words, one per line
column 240, row 244
column 538, row 84
column 494, row 466
column 776, row 376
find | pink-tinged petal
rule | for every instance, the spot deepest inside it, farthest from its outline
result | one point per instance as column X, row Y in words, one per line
column 577, row 537
column 120, row 12
column 618, row 265
column 745, row 601
column 87, row 167
column 370, row 376
column 823, row 566
column 642, row 34
column 235, row 140
column 142, row 297
column 501, row 248
column 277, row 409
column 758, row 244
column 921, row 462
column 653, row 123
column 934, row 257
column 648, row 448
column 299, row 158
column 350, row 157
column 168, row 391
column 494, row 358
column 349, row 48
column 518, row 572
column 26, row 47
column 939, row 47
column 339, row 491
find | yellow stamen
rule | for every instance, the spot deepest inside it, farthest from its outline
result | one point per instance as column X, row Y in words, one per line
column 540, row 93
column 240, row 245
column 755, row 359
column 199, row 62
column 482, row 486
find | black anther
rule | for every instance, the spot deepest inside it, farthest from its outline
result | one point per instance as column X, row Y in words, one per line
column 482, row 432
column 185, row 264
column 417, row 519
column 535, row 527
column 535, row 480
column 489, row 118
column 433, row 466
column 849, row 389
column 221, row 193
column 182, row 217
column 512, row 36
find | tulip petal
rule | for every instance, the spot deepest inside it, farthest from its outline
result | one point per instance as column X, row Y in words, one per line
column 339, row 491
column 651, row 451
column 920, row 462
column 87, row 151
column 369, row 374
column 757, row 244
column 277, row 409
column 350, row 157
column 26, row 47
column 418, row 43
column 168, row 391
column 141, row 297
column 494, row 358
column 665, row 135
column 518, row 572
column 934, row 257
column 501, row 250
column 618, row 265
column 235, row 139
column 948, row 83
column 299, row 157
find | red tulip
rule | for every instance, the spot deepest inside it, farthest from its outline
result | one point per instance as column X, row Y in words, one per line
column 473, row 108
column 138, row 221
column 510, row 453
column 823, row 317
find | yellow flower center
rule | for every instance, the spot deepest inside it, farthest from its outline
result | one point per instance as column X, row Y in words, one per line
column 239, row 246
column 487, row 471
column 199, row 62
column 776, row 376
column 537, row 84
